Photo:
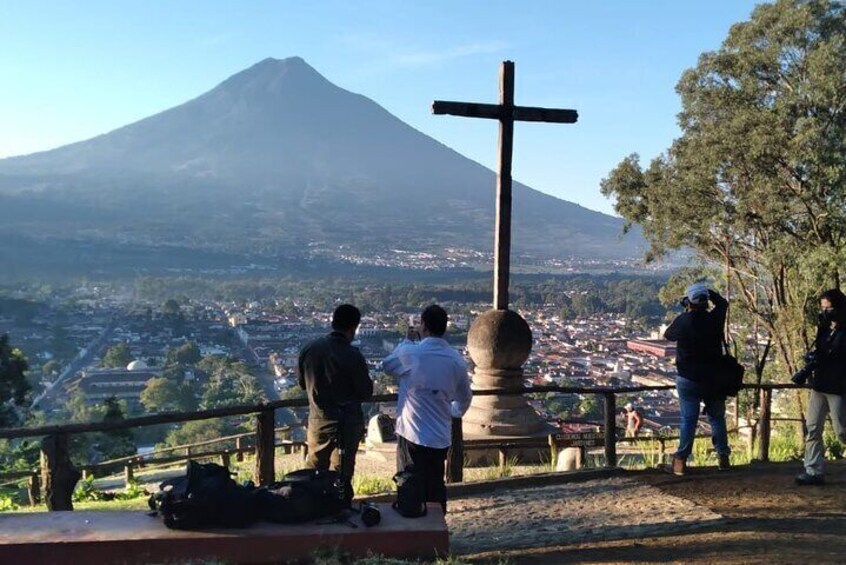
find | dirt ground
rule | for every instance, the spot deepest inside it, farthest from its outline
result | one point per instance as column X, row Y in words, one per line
column 766, row 519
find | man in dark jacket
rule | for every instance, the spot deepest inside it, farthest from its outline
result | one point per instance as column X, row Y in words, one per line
column 699, row 333
column 335, row 377
column 828, row 385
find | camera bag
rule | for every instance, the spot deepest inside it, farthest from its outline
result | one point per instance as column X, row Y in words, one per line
column 206, row 496
column 411, row 493
column 301, row 496
column 728, row 378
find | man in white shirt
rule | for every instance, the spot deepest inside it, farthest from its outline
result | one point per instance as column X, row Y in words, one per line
column 433, row 388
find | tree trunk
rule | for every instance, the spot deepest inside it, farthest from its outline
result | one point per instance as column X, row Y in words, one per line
column 58, row 473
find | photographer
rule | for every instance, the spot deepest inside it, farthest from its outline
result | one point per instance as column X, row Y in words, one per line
column 433, row 388
column 828, row 383
column 336, row 380
column 699, row 333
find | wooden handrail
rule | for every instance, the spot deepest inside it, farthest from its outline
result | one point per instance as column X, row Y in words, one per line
column 120, row 460
column 265, row 435
column 242, row 410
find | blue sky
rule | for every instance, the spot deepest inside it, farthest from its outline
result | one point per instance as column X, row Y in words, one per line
column 70, row 70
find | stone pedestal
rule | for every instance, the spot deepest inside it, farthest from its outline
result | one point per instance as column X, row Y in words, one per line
column 499, row 343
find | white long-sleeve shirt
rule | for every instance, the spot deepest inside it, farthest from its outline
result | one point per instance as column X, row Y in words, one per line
column 433, row 387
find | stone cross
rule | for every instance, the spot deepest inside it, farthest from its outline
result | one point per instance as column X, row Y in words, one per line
column 507, row 113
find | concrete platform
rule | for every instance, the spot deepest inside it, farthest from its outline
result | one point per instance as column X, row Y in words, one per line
column 134, row 538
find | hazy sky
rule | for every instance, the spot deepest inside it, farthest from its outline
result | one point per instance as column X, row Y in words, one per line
column 70, row 70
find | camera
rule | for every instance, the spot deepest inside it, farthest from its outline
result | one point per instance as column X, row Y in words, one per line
column 370, row 514
column 801, row 376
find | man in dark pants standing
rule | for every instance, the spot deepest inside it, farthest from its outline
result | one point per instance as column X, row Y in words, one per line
column 335, row 377
column 434, row 388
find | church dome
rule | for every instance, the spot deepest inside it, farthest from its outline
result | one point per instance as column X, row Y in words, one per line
column 136, row 366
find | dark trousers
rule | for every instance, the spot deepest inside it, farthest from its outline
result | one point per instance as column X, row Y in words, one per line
column 322, row 438
column 429, row 463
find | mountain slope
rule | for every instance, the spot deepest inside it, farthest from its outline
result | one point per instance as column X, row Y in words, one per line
column 278, row 161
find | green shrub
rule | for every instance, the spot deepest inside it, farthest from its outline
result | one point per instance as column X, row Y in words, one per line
column 85, row 491
column 8, row 503
column 133, row 490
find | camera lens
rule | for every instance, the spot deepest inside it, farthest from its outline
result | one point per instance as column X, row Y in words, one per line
column 370, row 514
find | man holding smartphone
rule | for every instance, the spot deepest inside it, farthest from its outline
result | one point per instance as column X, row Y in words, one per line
column 433, row 388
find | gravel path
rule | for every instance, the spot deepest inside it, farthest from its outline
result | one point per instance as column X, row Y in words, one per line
column 596, row 510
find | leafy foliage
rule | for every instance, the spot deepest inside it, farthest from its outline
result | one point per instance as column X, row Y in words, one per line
column 186, row 354
column 115, row 443
column 14, row 388
column 200, row 430
column 117, row 355
column 166, row 395
column 757, row 181
column 230, row 383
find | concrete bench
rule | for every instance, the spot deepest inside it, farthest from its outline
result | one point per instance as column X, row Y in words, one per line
column 134, row 537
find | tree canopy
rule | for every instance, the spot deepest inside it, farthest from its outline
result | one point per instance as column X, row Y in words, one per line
column 165, row 395
column 186, row 354
column 756, row 184
column 115, row 443
column 13, row 386
column 117, row 355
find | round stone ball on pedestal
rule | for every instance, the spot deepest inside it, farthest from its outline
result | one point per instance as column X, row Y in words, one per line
column 499, row 343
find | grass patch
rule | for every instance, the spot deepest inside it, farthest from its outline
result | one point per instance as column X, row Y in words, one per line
column 372, row 484
column 96, row 505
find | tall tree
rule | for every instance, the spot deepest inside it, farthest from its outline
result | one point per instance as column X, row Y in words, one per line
column 115, row 443
column 165, row 395
column 186, row 354
column 13, row 386
column 756, row 184
column 117, row 355
column 230, row 383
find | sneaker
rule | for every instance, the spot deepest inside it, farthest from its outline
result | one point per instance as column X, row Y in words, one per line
column 723, row 463
column 807, row 479
column 679, row 467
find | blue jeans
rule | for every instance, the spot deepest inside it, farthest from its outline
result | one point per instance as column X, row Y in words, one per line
column 691, row 394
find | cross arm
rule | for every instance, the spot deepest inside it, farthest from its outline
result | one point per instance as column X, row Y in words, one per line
column 498, row 112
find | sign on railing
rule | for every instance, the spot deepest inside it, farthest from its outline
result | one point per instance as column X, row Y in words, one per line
column 577, row 439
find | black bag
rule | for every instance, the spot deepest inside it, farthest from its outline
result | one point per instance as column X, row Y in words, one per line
column 728, row 378
column 206, row 496
column 301, row 496
column 411, row 493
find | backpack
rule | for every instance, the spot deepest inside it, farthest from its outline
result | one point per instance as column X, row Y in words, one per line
column 301, row 496
column 205, row 496
column 411, row 493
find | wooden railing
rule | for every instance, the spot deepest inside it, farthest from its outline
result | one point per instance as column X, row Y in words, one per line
column 58, row 476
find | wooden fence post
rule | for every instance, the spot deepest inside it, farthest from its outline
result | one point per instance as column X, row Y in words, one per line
column 455, row 455
column 224, row 459
column 34, row 488
column 264, row 473
column 553, row 452
column 239, row 455
column 764, row 425
column 503, row 461
column 610, row 429
column 58, row 473
column 128, row 475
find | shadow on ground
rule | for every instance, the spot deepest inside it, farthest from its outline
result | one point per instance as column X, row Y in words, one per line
column 766, row 519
